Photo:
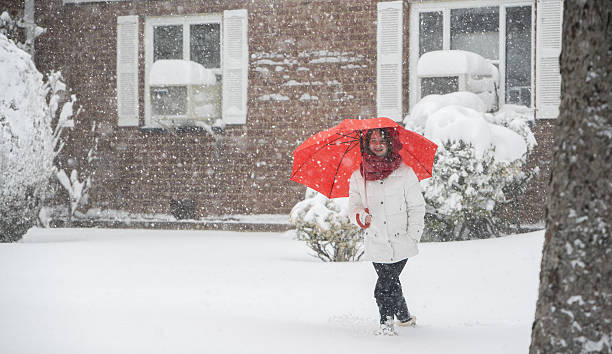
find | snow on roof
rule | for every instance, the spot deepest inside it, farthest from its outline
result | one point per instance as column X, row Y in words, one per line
column 180, row 72
column 453, row 62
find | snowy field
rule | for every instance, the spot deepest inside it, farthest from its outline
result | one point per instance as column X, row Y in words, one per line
column 143, row 291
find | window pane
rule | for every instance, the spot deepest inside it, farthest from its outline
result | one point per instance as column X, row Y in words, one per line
column 439, row 85
column 205, row 44
column 168, row 42
column 430, row 32
column 518, row 55
column 206, row 102
column 476, row 30
column 169, row 101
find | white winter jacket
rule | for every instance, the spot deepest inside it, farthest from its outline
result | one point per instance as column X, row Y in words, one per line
column 398, row 210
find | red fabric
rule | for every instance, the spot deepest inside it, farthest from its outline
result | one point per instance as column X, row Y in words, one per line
column 376, row 167
column 326, row 160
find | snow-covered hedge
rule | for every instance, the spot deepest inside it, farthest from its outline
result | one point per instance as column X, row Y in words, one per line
column 324, row 225
column 15, row 30
column 9, row 27
column 26, row 141
column 480, row 167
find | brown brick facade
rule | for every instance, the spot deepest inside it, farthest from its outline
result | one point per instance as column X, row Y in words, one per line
column 297, row 48
column 245, row 169
column 13, row 7
column 534, row 202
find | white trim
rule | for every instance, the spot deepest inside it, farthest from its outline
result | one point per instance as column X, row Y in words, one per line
column 501, row 65
column 533, row 53
column 185, row 21
column 413, row 55
column 466, row 4
column 446, row 35
column 445, row 7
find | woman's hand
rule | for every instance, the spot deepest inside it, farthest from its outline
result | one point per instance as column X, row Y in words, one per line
column 367, row 220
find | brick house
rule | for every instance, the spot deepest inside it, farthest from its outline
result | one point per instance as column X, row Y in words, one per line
column 276, row 71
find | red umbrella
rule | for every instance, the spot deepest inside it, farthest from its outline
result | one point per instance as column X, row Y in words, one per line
column 327, row 159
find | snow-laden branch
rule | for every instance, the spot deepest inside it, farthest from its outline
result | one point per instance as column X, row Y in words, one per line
column 75, row 188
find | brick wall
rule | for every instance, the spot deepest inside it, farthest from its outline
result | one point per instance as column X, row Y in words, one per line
column 319, row 56
column 312, row 64
column 534, row 202
column 13, row 7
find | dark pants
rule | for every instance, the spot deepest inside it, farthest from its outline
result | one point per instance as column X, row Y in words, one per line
column 388, row 291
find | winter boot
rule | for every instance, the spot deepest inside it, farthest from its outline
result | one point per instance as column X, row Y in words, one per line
column 411, row 322
column 387, row 328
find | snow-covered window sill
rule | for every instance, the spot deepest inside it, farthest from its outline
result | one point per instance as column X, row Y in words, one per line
column 182, row 129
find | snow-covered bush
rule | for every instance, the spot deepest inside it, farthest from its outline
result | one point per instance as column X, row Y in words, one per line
column 9, row 28
column 76, row 187
column 16, row 30
column 26, row 141
column 467, row 193
column 324, row 225
column 480, row 167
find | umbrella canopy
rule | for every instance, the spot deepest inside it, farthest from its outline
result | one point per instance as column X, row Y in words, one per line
column 327, row 159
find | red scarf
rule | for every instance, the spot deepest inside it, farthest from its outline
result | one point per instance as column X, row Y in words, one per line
column 377, row 168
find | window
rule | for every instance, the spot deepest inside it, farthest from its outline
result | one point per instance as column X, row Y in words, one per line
column 476, row 30
column 167, row 42
column 439, row 85
column 185, row 75
column 431, row 37
column 206, row 44
column 196, row 70
column 518, row 55
column 500, row 33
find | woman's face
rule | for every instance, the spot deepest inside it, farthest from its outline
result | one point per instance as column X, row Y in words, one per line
column 377, row 144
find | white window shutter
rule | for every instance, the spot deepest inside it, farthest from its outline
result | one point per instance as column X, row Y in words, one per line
column 389, row 60
column 127, row 70
column 235, row 66
column 548, row 49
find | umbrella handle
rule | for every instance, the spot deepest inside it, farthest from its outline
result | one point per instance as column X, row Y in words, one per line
column 363, row 226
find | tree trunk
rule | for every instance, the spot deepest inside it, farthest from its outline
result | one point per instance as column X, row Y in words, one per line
column 574, row 307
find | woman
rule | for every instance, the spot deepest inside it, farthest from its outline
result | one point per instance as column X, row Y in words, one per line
column 391, row 208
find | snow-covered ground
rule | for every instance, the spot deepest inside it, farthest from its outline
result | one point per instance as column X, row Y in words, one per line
column 148, row 291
